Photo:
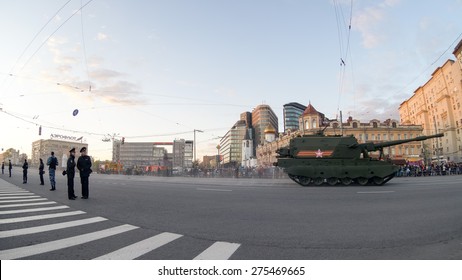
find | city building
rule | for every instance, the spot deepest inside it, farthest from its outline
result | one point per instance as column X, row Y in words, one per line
column 371, row 131
column 292, row 111
column 262, row 116
column 41, row 149
column 231, row 144
column 183, row 153
column 436, row 106
column 311, row 119
column 458, row 53
column 13, row 155
column 137, row 154
column 248, row 156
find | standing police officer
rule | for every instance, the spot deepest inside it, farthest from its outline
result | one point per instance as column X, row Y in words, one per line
column 70, row 172
column 52, row 162
column 84, row 166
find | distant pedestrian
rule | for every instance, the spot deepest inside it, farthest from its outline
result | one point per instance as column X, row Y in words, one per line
column 84, row 166
column 70, row 172
column 52, row 162
column 10, row 166
column 3, row 167
column 41, row 172
column 25, row 166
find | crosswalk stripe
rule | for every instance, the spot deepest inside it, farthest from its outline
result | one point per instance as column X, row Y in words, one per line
column 218, row 251
column 135, row 250
column 9, row 194
column 22, row 200
column 36, row 249
column 12, row 191
column 19, row 197
column 37, row 229
column 27, row 204
column 33, row 210
column 40, row 217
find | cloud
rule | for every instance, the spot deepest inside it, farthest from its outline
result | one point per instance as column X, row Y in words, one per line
column 103, row 75
column 109, row 85
column 367, row 21
column 101, row 36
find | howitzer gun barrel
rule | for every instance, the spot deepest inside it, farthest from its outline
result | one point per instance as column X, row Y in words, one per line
column 377, row 146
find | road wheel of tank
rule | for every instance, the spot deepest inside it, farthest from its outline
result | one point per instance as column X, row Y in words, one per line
column 346, row 181
column 304, row 181
column 332, row 181
column 318, row 181
column 362, row 181
column 378, row 181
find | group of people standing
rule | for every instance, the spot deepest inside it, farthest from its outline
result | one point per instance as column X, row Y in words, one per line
column 83, row 165
column 10, row 166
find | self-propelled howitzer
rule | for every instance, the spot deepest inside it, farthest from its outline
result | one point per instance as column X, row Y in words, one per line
column 314, row 159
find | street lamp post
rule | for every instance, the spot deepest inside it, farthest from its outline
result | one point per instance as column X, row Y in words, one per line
column 218, row 156
column 195, row 130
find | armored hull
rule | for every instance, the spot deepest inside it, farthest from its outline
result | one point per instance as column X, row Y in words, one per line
column 317, row 159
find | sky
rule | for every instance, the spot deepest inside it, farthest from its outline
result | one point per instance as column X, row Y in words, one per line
column 157, row 70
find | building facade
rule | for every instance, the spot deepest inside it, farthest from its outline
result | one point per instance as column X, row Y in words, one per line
column 183, row 153
column 292, row 111
column 41, row 149
column 231, row 144
column 137, row 154
column 262, row 116
column 436, row 106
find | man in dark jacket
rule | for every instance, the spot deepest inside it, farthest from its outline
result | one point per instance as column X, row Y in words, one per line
column 3, row 167
column 25, row 166
column 52, row 162
column 41, row 172
column 84, row 166
column 70, row 172
column 10, row 166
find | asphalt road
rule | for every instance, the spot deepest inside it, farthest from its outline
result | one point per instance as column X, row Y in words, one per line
column 408, row 218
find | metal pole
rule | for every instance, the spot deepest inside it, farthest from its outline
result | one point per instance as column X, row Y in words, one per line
column 195, row 130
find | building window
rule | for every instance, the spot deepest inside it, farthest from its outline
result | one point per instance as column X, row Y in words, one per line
column 405, row 135
column 393, row 124
column 384, row 137
column 313, row 123
column 366, row 137
column 335, row 125
column 355, row 125
column 307, row 125
column 378, row 136
column 399, row 136
column 374, row 125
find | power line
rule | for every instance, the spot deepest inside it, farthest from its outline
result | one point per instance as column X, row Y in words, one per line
column 84, row 48
column 430, row 65
column 35, row 37
column 53, row 33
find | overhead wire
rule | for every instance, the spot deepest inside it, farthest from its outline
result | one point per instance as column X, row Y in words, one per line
column 51, row 35
column 33, row 39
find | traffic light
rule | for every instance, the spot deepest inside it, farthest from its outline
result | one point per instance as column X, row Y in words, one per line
column 40, row 130
column 123, row 140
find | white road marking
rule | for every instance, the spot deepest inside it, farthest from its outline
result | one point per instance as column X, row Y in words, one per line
column 378, row 192
column 22, row 200
column 19, row 197
column 37, row 229
column 9, row 194
column 135, row 250
column 216, row 190
column 39, row 217
column 33, row 210
column 27, row 204
column 36, row 249
column 218, row 251
column 13, row 191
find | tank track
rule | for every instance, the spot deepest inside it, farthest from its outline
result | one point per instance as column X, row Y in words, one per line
column 333, row 181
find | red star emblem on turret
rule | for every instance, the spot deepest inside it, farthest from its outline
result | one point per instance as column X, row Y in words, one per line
column 319, row 153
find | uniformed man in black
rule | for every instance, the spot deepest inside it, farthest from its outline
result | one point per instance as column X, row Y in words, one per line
column 70, row 172
column 84, row 166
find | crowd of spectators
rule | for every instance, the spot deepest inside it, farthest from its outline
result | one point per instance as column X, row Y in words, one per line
column 433, row 169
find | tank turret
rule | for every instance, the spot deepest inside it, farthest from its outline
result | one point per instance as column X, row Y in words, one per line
column 314, row 159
